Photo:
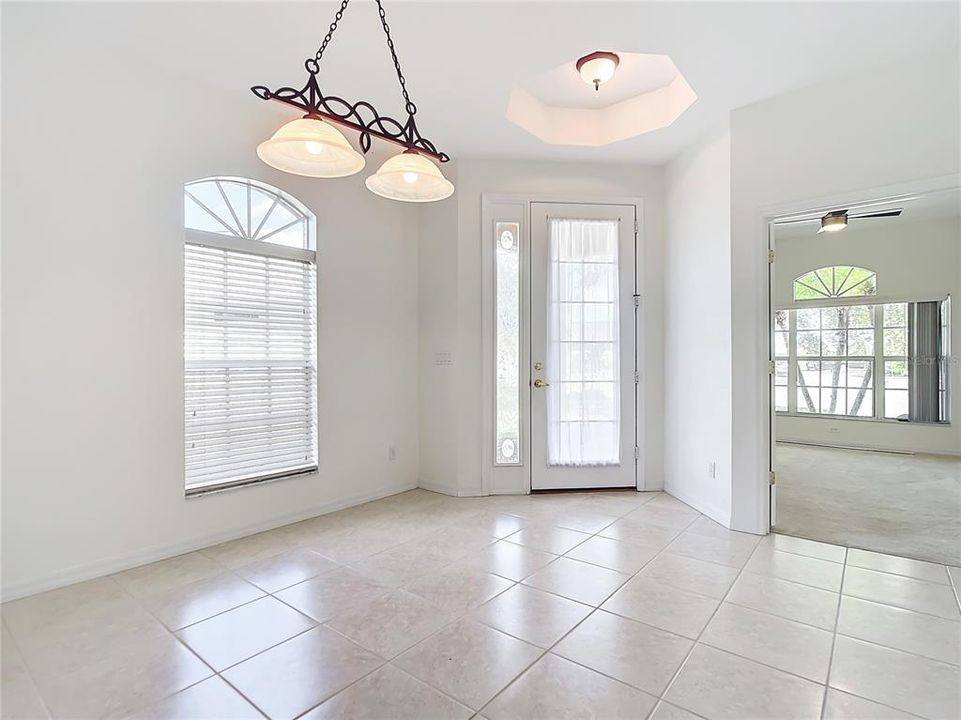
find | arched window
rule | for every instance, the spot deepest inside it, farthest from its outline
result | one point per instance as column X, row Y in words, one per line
column 248, row 210
column 250, row 381
column 835, row 282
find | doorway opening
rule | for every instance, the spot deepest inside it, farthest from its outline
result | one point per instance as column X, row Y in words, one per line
column 865, row 441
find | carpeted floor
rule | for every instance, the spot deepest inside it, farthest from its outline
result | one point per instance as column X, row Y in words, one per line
column 907, row 505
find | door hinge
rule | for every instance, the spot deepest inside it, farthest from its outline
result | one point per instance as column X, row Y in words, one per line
column 637, row 300
column 637, row 377
column 770, row 367
column 770, row 256
column 637, row 453
column 635, row 227
column 771, row 477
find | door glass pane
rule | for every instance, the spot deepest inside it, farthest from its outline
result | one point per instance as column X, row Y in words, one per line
column 507, row 449
column 583, row 368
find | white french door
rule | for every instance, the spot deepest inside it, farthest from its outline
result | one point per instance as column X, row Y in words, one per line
column 583, row 346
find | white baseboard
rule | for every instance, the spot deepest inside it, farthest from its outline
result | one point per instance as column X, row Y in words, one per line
column 89, row 571
column 868, row 448
column 713, row 513
column 446, row 490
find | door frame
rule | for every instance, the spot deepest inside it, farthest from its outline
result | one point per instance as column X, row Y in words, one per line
column 764, row 337
column 498, row 479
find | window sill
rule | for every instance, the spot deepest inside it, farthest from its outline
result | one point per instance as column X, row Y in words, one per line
column 196, row 491
column 885, row 421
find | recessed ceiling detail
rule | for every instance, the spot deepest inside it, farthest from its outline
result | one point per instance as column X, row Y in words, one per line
column 647, row 93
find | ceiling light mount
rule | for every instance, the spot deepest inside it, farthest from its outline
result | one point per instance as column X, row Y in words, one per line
column 306, row 149
column 597, row 68
column 834, row 221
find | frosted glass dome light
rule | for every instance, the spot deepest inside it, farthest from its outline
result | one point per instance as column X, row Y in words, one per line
column 410, row 177
column 311, row 147
column 597, row 68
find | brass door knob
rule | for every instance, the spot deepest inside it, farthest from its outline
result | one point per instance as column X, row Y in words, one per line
column 540, row 383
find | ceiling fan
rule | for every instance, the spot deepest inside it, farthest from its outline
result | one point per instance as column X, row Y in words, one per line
column 838, row 219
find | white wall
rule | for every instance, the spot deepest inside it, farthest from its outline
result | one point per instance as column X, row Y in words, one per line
column 92, row 303
column 697, row 321
column 913, row 260
column 439, row 399
column 840, row 138
column 461, row 383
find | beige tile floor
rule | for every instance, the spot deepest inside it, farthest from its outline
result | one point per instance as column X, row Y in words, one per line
column 593, row 605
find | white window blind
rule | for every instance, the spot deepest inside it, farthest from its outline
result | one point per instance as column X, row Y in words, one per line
column 250, row 380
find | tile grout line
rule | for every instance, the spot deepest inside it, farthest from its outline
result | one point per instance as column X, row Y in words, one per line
column 834, row 638
column 697, row 640
column 584, row 619
column 550, row 650
column 26, row 667
column 954, row 586
column 547, row 651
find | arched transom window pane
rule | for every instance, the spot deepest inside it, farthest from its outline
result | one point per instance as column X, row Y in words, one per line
column 834, row 282
column 241, row 208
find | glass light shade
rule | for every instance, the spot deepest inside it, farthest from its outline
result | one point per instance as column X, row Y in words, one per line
column 597, row 68
column 311, row 147
column 833, row 223
column 410, row 177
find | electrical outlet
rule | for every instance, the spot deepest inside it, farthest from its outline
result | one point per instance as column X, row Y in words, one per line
column 712, row 469
column 391, row 452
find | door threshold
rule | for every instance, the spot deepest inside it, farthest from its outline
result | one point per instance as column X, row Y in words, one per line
column 544, row 491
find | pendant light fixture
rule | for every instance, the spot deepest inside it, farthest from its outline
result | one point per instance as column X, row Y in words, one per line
column 313, row 147
column 410, row 177
column 309, row 146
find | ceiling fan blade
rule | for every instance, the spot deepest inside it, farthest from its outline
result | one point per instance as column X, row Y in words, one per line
column 883, row 213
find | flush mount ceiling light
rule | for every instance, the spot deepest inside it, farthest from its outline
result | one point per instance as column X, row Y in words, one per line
column 313, row 147
column 597, row 68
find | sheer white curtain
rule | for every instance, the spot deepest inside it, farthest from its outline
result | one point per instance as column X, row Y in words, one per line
column 583, row 400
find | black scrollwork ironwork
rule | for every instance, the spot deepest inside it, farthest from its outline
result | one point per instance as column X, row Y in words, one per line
column 360, row 116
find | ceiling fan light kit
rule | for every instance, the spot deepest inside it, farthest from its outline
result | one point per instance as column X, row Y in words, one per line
column 834, row 221
column 837, row 220
column 311, row 146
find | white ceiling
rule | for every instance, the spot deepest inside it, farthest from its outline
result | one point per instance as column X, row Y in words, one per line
column 462, row 58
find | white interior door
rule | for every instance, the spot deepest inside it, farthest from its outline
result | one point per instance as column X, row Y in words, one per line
column 583, row 346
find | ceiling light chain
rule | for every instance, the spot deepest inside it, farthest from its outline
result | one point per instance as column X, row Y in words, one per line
column 331, row 30
column 408, row 105
column 310, row 146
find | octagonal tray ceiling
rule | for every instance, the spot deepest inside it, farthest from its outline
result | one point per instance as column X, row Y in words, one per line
column 647, row 92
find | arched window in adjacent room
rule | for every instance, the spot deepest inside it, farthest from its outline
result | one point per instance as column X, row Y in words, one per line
column 250, row 380
column 835, row 282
